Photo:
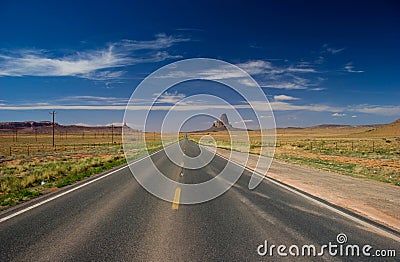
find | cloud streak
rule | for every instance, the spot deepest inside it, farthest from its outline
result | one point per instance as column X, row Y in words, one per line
column 283, row 103
column 284, row 98
column 91, row 64
column 288, row 77
column 331, row 50
column 350, row 68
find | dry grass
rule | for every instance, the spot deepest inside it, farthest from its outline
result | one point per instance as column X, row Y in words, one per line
column 355, row 151
column 35, row 166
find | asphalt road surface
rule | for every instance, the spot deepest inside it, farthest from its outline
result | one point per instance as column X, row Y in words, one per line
column 114, row 219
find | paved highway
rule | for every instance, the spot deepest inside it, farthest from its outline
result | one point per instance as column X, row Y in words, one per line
column 114, row 219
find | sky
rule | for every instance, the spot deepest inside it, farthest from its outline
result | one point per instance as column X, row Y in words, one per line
column 318, row 62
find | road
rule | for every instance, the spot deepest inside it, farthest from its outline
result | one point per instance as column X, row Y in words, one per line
column 115, row 219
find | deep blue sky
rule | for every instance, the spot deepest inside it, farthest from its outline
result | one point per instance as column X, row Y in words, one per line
column 318, row 62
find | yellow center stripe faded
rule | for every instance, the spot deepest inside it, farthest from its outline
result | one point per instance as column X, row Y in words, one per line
column 177, row 196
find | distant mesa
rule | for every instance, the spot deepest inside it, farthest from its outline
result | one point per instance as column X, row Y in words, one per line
column 221, row 125
column 26, row 124
column 45, row 127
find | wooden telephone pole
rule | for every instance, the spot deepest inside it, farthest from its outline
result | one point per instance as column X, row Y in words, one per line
column 112, row 134
column 53, row 113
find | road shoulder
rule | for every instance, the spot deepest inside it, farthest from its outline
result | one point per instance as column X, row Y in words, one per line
column 371, row 199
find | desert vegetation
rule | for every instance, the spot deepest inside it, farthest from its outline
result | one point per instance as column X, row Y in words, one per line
column 371, row 152
column 30, row 165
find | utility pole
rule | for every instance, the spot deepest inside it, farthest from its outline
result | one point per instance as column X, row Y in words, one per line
column 112, row 133
column 53, row 113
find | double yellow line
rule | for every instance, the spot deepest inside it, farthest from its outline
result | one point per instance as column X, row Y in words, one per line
column 177, row 195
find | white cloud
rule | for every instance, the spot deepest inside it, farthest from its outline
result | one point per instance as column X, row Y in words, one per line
column 88, row 63
column 378, row 110
column 281, row 77
column 86, row 125
column 338, row 114
column 116, row 124
column 350, row 68
column 170, row 98
column 284, row 98
column 285, row 106
column 301, row 70
column 103, row 75
column 247, row 82
column 285, row 85
column 332, row 50
column 255, row 67
column 244, row 121
column 280, row 103
column 317, row 89
column 92, row 100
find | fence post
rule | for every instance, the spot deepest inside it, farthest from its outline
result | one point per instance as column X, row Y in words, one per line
column 10, row 150
column 28, row 150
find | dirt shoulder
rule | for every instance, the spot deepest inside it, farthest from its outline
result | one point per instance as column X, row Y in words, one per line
column 372, row 199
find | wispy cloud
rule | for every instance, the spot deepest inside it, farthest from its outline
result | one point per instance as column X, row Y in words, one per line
column 277, row 105
column 244, row 121
column 326, row 48
column 90, row 64
column 284, row 98
column 103, row 75
column 284, row 85
column 338, row 114
column 92, row 100
column 170, row 98
column 289, row 76
column 286, row 106
column 378, row 110
column 350, row 68
column 255, row 67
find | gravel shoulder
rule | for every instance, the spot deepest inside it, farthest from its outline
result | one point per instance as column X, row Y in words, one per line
column 375, row 200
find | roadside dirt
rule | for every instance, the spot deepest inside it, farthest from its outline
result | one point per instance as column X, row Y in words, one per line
column 372, row 199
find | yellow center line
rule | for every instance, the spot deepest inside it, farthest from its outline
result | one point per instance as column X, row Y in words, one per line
column 182, row 164
column 177, row 196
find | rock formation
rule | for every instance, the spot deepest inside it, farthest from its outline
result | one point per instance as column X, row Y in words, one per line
column 221, row 124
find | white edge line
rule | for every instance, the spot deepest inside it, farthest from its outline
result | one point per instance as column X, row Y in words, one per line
column 73, row 189
column 344, row 214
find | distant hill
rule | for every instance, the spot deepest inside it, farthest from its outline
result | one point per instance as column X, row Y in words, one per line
column 373, row 130
column 26, row 124
column 45, row 127
column 330, row 126
column 391, row 129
